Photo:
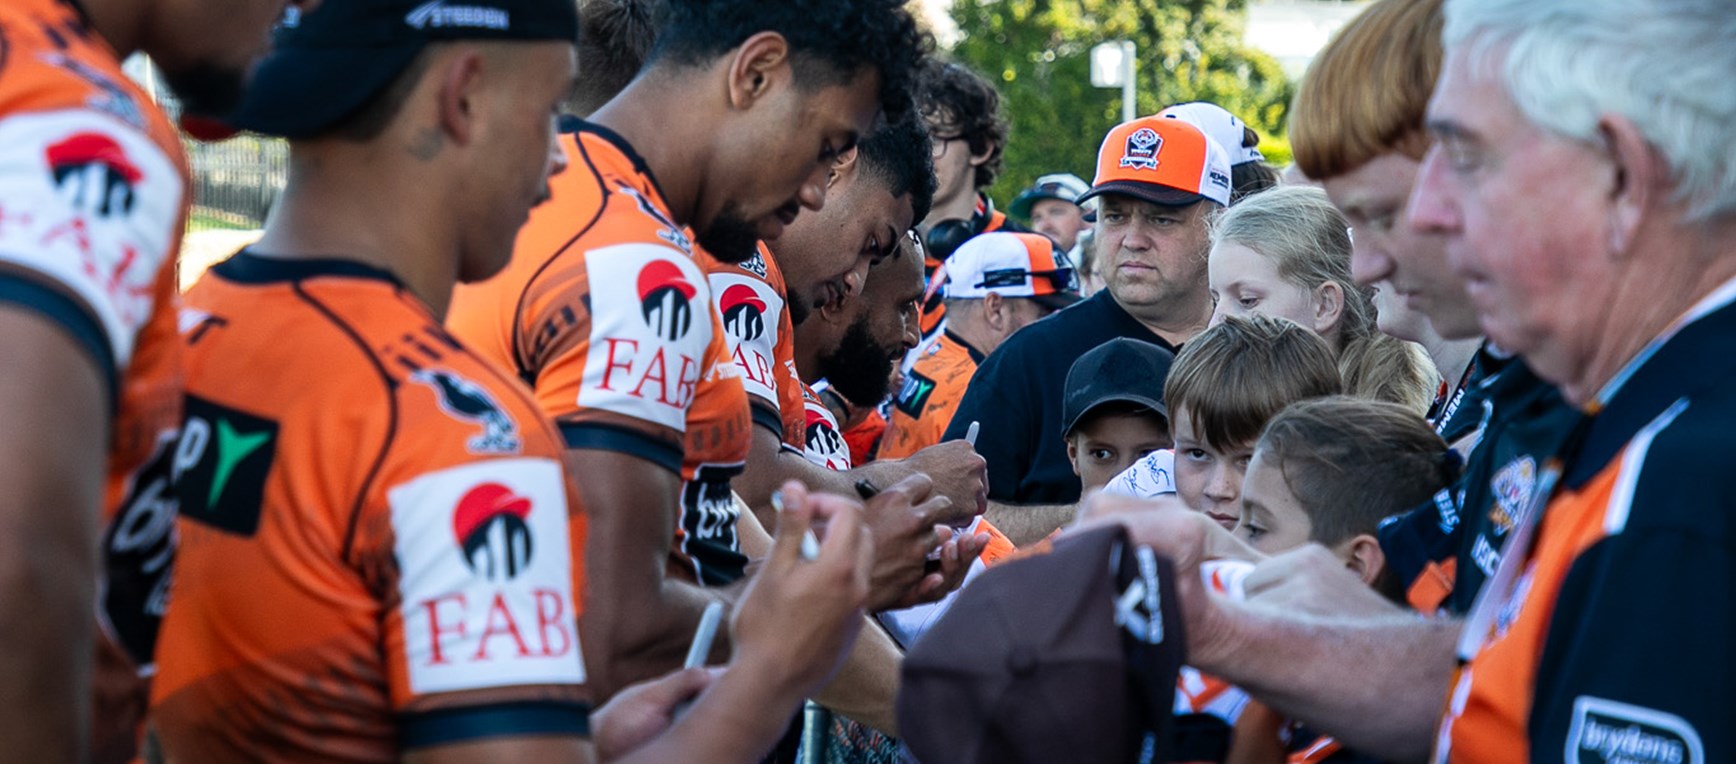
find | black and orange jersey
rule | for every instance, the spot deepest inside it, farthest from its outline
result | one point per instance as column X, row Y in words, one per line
column 1443, row 551
column 753, row 300
column 93, row 195
column 379, row 548
column 604, row 311
column 1605, row 634
column 932, row 388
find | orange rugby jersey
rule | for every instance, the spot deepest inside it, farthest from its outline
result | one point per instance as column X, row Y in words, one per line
column 93, row 194
column 753, row 300
column 923, row 407
column 379, row 547
column 604, row 311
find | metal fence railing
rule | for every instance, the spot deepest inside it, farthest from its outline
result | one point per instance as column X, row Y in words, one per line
column 236, row 181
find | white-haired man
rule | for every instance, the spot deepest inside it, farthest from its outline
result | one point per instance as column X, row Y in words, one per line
column 1582, row 181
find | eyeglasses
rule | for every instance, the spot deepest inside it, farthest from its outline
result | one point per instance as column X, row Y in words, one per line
column 938, row 144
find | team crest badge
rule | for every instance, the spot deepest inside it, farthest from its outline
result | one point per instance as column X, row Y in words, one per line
column 1141, row 150
column 467, row 401
column 1512, row 485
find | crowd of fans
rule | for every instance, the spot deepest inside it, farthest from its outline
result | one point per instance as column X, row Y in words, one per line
column 655, row 380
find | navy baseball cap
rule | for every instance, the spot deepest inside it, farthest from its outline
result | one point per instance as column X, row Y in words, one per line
column 1122, row 369
column 328, row 63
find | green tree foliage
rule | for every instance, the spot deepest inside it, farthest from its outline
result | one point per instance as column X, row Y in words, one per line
column 1039, row 53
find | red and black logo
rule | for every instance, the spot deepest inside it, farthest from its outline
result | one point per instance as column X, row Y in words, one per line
column 490, row 527
column 95, row 172
column 743, row 312
column 822, row 436
column 665, row 299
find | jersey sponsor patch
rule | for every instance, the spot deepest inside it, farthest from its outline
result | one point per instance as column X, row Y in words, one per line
column 650, row 327
column 709, row 515
column 825, row 446
column 913, row 396
column 1607, row 731
column 486, row 577
column 752, row 312
column 467, row 401
column 93, row 205
column 222, row 463
column 138, row 551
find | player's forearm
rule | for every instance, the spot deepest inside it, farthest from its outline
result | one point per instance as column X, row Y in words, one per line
column 1377, row 684
column 867, row 684
column 641, row 632
column 1029, row 523
column 770, row 465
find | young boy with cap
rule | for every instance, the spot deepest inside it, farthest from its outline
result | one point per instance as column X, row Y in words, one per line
column 1114, row 411
column 995, row 285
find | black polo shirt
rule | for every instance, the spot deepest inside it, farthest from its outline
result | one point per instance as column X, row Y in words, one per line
column 1017, row 391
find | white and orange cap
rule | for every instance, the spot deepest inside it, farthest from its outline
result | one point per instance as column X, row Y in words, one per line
column 1220, row 125
column 1162, row 161
column 1010, row 265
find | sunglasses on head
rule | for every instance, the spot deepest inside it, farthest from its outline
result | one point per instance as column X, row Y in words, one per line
column 1062, row 279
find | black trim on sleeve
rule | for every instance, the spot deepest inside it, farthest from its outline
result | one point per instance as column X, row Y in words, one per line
column 609, row 437
column 73, row 316
column 459, row 725
column 766, row 416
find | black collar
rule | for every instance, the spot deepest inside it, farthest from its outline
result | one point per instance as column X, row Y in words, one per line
column 249, row 268
column 576, row 125
column 975, row 355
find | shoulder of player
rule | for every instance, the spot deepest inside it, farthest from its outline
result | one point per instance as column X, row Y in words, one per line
column 334, row 349
column 49, row 67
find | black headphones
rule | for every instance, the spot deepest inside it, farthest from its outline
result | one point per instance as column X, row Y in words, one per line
column 946, row 236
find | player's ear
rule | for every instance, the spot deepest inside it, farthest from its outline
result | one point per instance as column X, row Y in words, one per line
column 759, row 66
column 1073, row 455
column 459, row 88
column 1363, row 556
column 842, row 167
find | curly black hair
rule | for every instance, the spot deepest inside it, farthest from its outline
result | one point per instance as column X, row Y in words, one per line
column 897, row 152
column 958, row 102
column 831, row 40
column 614, row 38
